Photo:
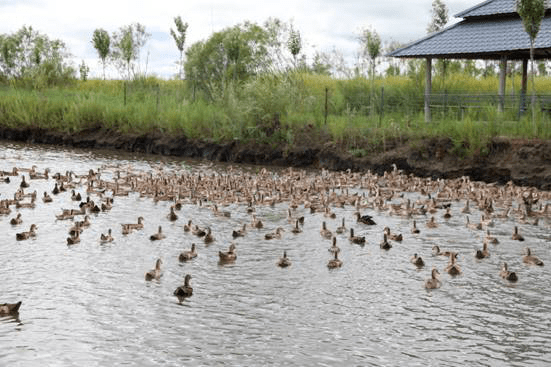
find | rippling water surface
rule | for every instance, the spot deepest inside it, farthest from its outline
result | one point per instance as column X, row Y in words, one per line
column 89, row 304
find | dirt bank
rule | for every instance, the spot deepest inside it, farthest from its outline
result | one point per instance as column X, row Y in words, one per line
column 524, row 162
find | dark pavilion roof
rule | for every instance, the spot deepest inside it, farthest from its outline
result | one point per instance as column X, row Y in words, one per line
column 489, row 30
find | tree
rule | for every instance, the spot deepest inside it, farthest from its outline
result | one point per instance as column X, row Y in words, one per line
column 33, row 57
column 439, row 16
column 439, row 19
column 180, row 39
column 370, row 48
column 127, row 43
column 531, row 12
column 84, row 70
column 294, row 44
column 102, row 43
column 235, row 53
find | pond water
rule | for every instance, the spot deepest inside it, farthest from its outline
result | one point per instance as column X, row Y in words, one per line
column 89, row 304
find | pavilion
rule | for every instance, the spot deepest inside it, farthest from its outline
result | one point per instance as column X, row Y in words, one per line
column 491, row 30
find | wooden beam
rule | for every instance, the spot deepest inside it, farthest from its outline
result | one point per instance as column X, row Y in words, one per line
column 428, row 89
column 502, row 79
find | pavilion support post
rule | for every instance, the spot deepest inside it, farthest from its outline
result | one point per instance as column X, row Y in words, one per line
column 523, row 85
column 428, row 89
column 502, row 78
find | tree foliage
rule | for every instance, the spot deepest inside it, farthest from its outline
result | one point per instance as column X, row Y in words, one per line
column 127, row 44
column 102, row 43
column 370, row 43
column 439, row 16
column 33, row 57
column 294, row 44
column 235, row 53
column 180, row 39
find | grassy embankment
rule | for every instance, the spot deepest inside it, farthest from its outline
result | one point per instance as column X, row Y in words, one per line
column 247, row 111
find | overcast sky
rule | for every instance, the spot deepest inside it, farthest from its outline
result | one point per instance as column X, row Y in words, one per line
column 323, row 25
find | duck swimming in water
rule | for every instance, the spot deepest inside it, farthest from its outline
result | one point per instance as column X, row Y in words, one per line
column 228, row 256
column 528, row 258
column 365, row 219
column 433, row 282
column 157, row 236
column 184, row 291
column 154, row 274
column 188, row 254
column 506, row 274
column 453, row 268
column 417, row 261
column 334, row 262
column 284, row 261
column 9, row 308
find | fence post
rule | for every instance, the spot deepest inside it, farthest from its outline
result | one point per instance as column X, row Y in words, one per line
column 326, row 104
column 381, row 115
column 124, row 89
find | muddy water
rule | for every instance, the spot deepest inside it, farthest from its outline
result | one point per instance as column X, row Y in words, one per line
column 89, row 304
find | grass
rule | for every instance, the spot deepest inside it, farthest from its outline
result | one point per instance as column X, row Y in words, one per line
column 276, row 110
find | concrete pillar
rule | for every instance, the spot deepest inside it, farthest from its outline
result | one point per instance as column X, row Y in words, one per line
column 428, row 89
column 502, row 79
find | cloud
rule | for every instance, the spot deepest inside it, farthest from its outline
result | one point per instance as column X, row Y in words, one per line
column 323, row 25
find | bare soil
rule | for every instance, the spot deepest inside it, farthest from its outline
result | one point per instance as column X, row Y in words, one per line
column 524, row 162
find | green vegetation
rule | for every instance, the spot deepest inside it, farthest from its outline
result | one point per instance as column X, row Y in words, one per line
column 275, row 109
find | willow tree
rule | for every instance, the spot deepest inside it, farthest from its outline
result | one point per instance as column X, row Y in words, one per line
column 531, row 12
column 180, row 39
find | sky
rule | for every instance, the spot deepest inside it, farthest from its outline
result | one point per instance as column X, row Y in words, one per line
column 323, row 25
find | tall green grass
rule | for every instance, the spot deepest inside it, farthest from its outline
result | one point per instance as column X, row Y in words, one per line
column 278, row 109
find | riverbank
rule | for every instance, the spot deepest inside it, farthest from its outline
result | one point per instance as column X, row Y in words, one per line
column 524, row 162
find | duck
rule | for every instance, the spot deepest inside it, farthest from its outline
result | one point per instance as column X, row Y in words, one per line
column 184, row 291
column 10, row 308
column 188, row 254
column 365, row 219
column 274, row 234
column 208, row 238
column 335, row 262
column 221, row 213
column 256, row 223
column 23, row 184
column 55, row 190
column 431, row 223
column 128, row 227
column 414, row 228
column 393, row 236
column 356, row 239
column 433, row 282
column 506, row 274
column 517, row 236
column 334, row 247
column 453, row 268
column 188, row 226
column 30, row 205
column 474, row 226
column 296, row 229
column 198, row 231
column 528, row 258
column 172, row 215
column 157, row 236
column 466, row 209
column 481, row 254
column 447, row 214
column 324, row 232
column 385, row 245
column 436, row 251
column 154, row 274
column 284, row 261
column 490, row 239
column 75, row 196
column 74, row 239
column 241, row 232
column 104, row 238
column 47, row 198
column 417, row 261
column 17, row 220
column 74, row 229
column 228, row 256
column 342, row 228
column 26, row 235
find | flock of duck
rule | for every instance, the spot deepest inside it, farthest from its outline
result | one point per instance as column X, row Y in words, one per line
column 95, row 192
